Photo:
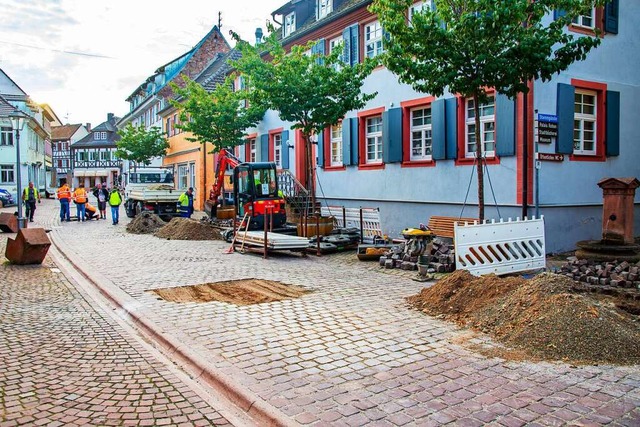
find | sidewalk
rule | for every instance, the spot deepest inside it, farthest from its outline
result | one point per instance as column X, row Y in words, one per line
column 349, row 353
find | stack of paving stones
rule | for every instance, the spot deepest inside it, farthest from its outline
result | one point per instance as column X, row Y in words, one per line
column 603, row 275
column 438, row 257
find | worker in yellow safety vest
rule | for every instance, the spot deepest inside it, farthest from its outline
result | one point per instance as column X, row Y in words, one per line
column 29, row 197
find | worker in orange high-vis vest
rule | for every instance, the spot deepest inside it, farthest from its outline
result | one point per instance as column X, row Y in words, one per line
column 64, row 195
column 80, row 199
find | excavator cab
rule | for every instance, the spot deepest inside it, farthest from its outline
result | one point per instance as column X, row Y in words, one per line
column 255, row 188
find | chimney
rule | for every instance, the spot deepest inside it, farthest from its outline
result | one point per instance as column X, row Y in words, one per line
column 110, row 117
column 88, row 127
column 258, row 36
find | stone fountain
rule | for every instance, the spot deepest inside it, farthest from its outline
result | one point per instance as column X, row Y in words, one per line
column 617, row 241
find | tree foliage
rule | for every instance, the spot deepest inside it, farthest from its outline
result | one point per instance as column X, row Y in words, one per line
column 469, row 46
column 140, row 145
column 220, row 117
column 310, row 90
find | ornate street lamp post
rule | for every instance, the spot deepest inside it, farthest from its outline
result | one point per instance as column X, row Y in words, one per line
column 17, row 123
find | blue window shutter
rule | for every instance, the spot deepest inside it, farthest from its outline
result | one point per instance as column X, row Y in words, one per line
column 346, row 45
column 354, row 47
column 611, row 17
column 392, row 136
column 318, row 49
column 354, row 141
column 505, row 126
column 264, row 148
column 565, row 112
column 320, row 149
column 559, row 13
column 438, row 130
column 612, row 127
column 451, row 127
column 346, row 142
column 285, row 149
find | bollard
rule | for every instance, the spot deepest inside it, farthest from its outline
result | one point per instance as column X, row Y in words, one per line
column 29, row 247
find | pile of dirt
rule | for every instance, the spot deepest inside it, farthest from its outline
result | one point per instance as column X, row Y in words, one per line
column 544, row 318
column 145, row 223
column 188, row 229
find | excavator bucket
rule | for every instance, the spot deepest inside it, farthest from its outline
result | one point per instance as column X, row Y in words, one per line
column 29, row 247
column 8, row 222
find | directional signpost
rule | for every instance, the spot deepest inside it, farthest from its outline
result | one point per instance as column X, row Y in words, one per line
column 547, row 128
column 547, row 133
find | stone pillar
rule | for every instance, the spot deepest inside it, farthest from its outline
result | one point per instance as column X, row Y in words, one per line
column 617, row 213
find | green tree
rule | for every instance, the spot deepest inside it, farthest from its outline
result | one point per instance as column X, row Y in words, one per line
column 310, row 90
column 468, row 46
column 140, row 145
column 220, row 117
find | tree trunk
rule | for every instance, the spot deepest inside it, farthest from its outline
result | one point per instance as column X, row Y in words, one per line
column 479, row 158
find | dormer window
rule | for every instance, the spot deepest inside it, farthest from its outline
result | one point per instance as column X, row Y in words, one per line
column 289, row 24
column 100, row 136
column 324, row 7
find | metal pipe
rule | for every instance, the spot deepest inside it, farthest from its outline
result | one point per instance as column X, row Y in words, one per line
column 361, row 227
column 525, row 157
column 317, row 234
column 266, row 212
column 18, row 177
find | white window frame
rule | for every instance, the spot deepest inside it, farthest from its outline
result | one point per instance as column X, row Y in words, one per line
column 192, row 175
column 100, row 136
column 289, row 24
column 82, row 156
column 277, row 149
column 7, row 174
column 582, row 21
column 105, row 155
column 6, row 136
column 252, row 150
column 373, row 139
column 487, row 126
column 581, row 119
column 183, row 176
column 93, row 155
column 333, row 44
column 373, row 45
column 335, row 134
column 418, row 7
column 324, row 7
column 425, row 132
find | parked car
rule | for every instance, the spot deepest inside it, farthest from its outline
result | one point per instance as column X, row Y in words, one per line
column 6, row 199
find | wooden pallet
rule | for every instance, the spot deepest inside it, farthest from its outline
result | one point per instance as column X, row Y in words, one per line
column 442, row 226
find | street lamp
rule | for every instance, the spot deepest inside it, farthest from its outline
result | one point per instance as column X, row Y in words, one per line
column 17, row 123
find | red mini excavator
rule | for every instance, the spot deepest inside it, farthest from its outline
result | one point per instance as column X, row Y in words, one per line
column 255, row 190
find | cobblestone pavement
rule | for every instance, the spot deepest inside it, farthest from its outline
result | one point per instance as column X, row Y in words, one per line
column 65, row 361
column 349, row 353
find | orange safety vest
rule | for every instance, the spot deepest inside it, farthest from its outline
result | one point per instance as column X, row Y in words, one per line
column 64, row 193
column 80, row 195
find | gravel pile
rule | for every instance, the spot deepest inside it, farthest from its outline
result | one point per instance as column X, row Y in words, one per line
column 544, row 318
column 145, row 223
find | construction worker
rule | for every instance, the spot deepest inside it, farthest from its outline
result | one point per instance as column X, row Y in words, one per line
column 29, row 197
column 90, row 211
column 115, row 200
column 80, row 199
column 186, row 203
column 64, row 195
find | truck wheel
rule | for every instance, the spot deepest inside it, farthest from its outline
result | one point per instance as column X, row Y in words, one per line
column 130, row 210
column 139, row 208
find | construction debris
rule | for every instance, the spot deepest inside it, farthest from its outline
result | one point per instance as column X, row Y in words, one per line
column 603, row 274
column 145, row 223
column 188, row 229
column 544, row 318
column 437, row 257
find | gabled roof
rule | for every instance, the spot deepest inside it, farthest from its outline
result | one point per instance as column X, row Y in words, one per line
column 64, row 132
column 21, row 93
column 218, row 70
column 5, row 107
column 109, row 127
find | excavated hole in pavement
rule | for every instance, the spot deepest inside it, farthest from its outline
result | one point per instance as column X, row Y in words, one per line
column 238, row 292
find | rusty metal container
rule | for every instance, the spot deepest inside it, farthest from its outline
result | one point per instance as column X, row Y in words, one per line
column 29, row 247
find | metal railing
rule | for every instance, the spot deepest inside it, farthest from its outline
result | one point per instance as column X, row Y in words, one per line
column 297, row 197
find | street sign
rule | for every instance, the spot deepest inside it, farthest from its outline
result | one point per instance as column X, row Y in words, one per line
column 547, row 118
column 550, row 157
column 547, row 128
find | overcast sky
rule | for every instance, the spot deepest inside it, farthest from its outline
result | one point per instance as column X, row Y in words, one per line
column 85, row 57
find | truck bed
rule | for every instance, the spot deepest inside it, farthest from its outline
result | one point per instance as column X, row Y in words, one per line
column 151, row 195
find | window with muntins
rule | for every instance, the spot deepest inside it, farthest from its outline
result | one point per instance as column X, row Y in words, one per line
column 586, row 21
column 324, row 8
column 373, row 39
column 7, row 174
column 289, row 25
column 333, row 44
column 487, row 128
column 421, row 141
column 336, row 145
column 417, row 8
column 183, row 176
column 6, row 136
column 373, row 139
column 277, row 149
column 252, row 150
column 584, row 123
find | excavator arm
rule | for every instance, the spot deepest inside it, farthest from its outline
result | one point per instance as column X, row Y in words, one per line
column 226, row 159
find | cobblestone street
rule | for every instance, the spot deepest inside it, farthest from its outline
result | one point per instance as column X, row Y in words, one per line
column 350, row 353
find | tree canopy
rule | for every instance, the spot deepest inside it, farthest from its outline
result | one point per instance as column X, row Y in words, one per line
column 220, row 117
column 140, row 145
column 467, row 47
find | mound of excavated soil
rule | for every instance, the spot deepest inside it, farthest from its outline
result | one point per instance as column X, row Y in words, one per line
column 188, row 229
column 542, row 318
column 145, row 223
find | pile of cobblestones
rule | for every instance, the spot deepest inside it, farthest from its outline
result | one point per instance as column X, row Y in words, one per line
column 438, row 257
column 610, row 274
